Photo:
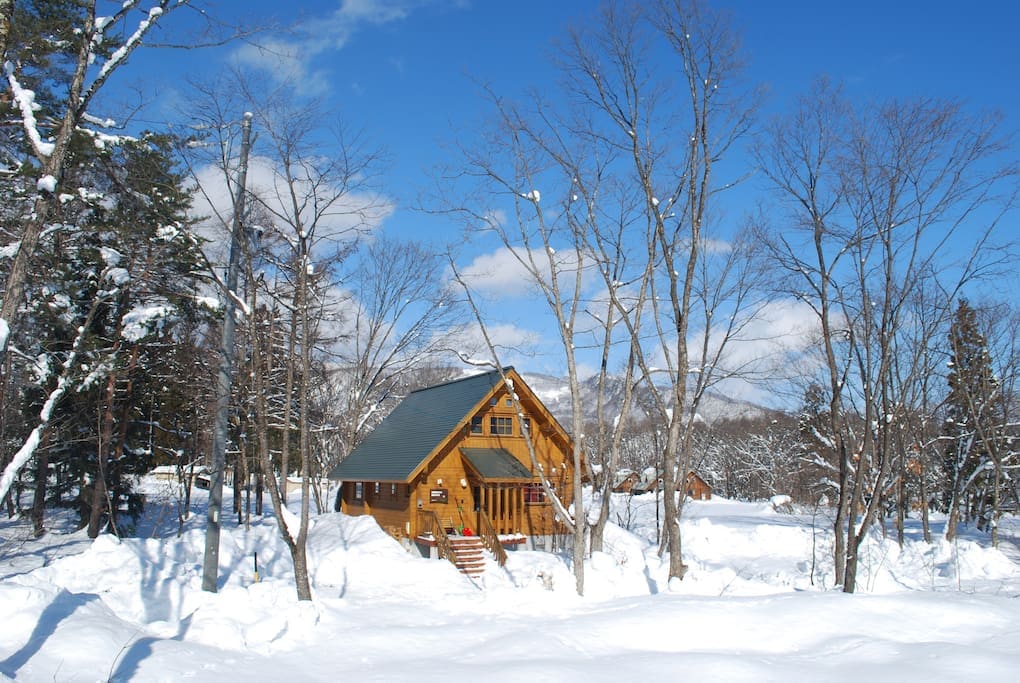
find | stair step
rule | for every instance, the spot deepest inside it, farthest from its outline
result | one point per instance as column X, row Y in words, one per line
column 469, row 555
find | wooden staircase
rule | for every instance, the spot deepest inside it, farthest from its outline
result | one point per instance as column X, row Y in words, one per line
column 468, row 555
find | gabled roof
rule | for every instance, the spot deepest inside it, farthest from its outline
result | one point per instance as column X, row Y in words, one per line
column 408, row 435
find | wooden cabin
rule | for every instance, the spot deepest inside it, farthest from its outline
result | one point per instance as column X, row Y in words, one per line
column 453, row 459
column 693, row 485
column 697, row 488
column 649, row 481
column 625, row 481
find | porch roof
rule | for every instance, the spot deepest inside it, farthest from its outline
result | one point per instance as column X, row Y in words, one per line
column 496, row 464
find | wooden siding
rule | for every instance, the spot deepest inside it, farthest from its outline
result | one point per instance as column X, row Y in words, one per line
column 392, row 511
column 697, row 488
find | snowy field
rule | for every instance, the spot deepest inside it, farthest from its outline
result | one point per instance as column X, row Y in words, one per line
column 757, row 605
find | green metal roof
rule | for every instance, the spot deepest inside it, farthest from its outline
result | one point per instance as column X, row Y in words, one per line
column 401, row 442
column 496, row 464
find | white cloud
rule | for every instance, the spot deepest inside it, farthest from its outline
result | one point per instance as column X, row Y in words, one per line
column 499, row 272
column 771, row 349
column 215, row 203
column 513, row 344
column 285, row 62
column 292, row 60
column 713, row 246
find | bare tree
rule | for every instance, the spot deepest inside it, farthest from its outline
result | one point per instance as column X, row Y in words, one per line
column 674, row 186
column 401, row 319
column 875, row 198
column 602, row 192
column 312, row 197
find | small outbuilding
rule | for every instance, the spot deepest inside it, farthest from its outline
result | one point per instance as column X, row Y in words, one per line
column 697, row 488
column 625, row 481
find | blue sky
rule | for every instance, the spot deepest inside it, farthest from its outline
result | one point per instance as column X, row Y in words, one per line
column 407, row 72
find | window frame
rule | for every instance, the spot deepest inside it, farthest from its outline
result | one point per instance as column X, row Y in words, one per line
column 534, row 494
column 500, row 425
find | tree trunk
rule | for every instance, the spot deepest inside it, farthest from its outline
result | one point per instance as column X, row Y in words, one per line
column 288, row 398
column 304, row 590
column 39, row 499
column 923, row 487
column 99, row 490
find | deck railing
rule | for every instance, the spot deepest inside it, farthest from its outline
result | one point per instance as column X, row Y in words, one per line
column 430, row 524
column 489, row 538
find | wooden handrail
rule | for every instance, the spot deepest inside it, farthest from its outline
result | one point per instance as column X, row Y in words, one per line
column 489, row 537
column 430, row 525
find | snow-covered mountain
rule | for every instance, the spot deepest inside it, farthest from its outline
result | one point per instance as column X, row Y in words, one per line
column 555, row 394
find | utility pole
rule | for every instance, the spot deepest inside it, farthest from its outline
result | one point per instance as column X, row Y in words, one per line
column 210, row 567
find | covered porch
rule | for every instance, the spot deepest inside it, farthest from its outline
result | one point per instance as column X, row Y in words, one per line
column 500, row 487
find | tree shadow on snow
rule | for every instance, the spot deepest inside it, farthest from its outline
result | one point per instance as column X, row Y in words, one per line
column 64, row 605
column 130, row 659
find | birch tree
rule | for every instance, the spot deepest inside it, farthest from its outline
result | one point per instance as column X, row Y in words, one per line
column 312, row 186
column 875, row 198
column 640, row 109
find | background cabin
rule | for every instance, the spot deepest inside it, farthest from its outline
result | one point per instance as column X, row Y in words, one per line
column 625, row 481
column 650, row 481
column 697, row 488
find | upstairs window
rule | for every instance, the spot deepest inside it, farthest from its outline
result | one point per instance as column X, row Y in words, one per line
column 476, row 424
column 526, row 426
column 359, row 490
column 501, row 425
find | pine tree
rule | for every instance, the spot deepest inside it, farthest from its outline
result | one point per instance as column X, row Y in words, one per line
column 120, row 281
column 969, row 424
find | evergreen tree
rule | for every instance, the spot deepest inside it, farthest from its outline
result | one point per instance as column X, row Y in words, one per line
column 969, row 424
column 120, row 281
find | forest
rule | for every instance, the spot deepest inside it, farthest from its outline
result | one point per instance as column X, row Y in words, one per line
column 217, row 294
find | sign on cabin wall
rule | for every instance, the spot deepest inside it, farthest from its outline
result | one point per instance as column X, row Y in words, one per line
column 439, row 496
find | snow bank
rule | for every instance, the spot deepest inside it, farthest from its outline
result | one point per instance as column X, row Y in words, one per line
column 756, row 605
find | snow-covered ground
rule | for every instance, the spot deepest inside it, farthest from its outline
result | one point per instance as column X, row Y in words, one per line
column 757, row 604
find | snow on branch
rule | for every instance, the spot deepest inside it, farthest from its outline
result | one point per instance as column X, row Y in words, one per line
column 121, row 53
column 25, row 99
column 30, row 444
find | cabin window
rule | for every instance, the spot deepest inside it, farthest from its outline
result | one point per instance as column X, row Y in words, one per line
column 509, row 402
column 492, row 401
column 476, row 424
column 501, row 425
column 526, row 426
column 359, row 490
column 534, row 493
column 377, row 488
column 393, row 490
